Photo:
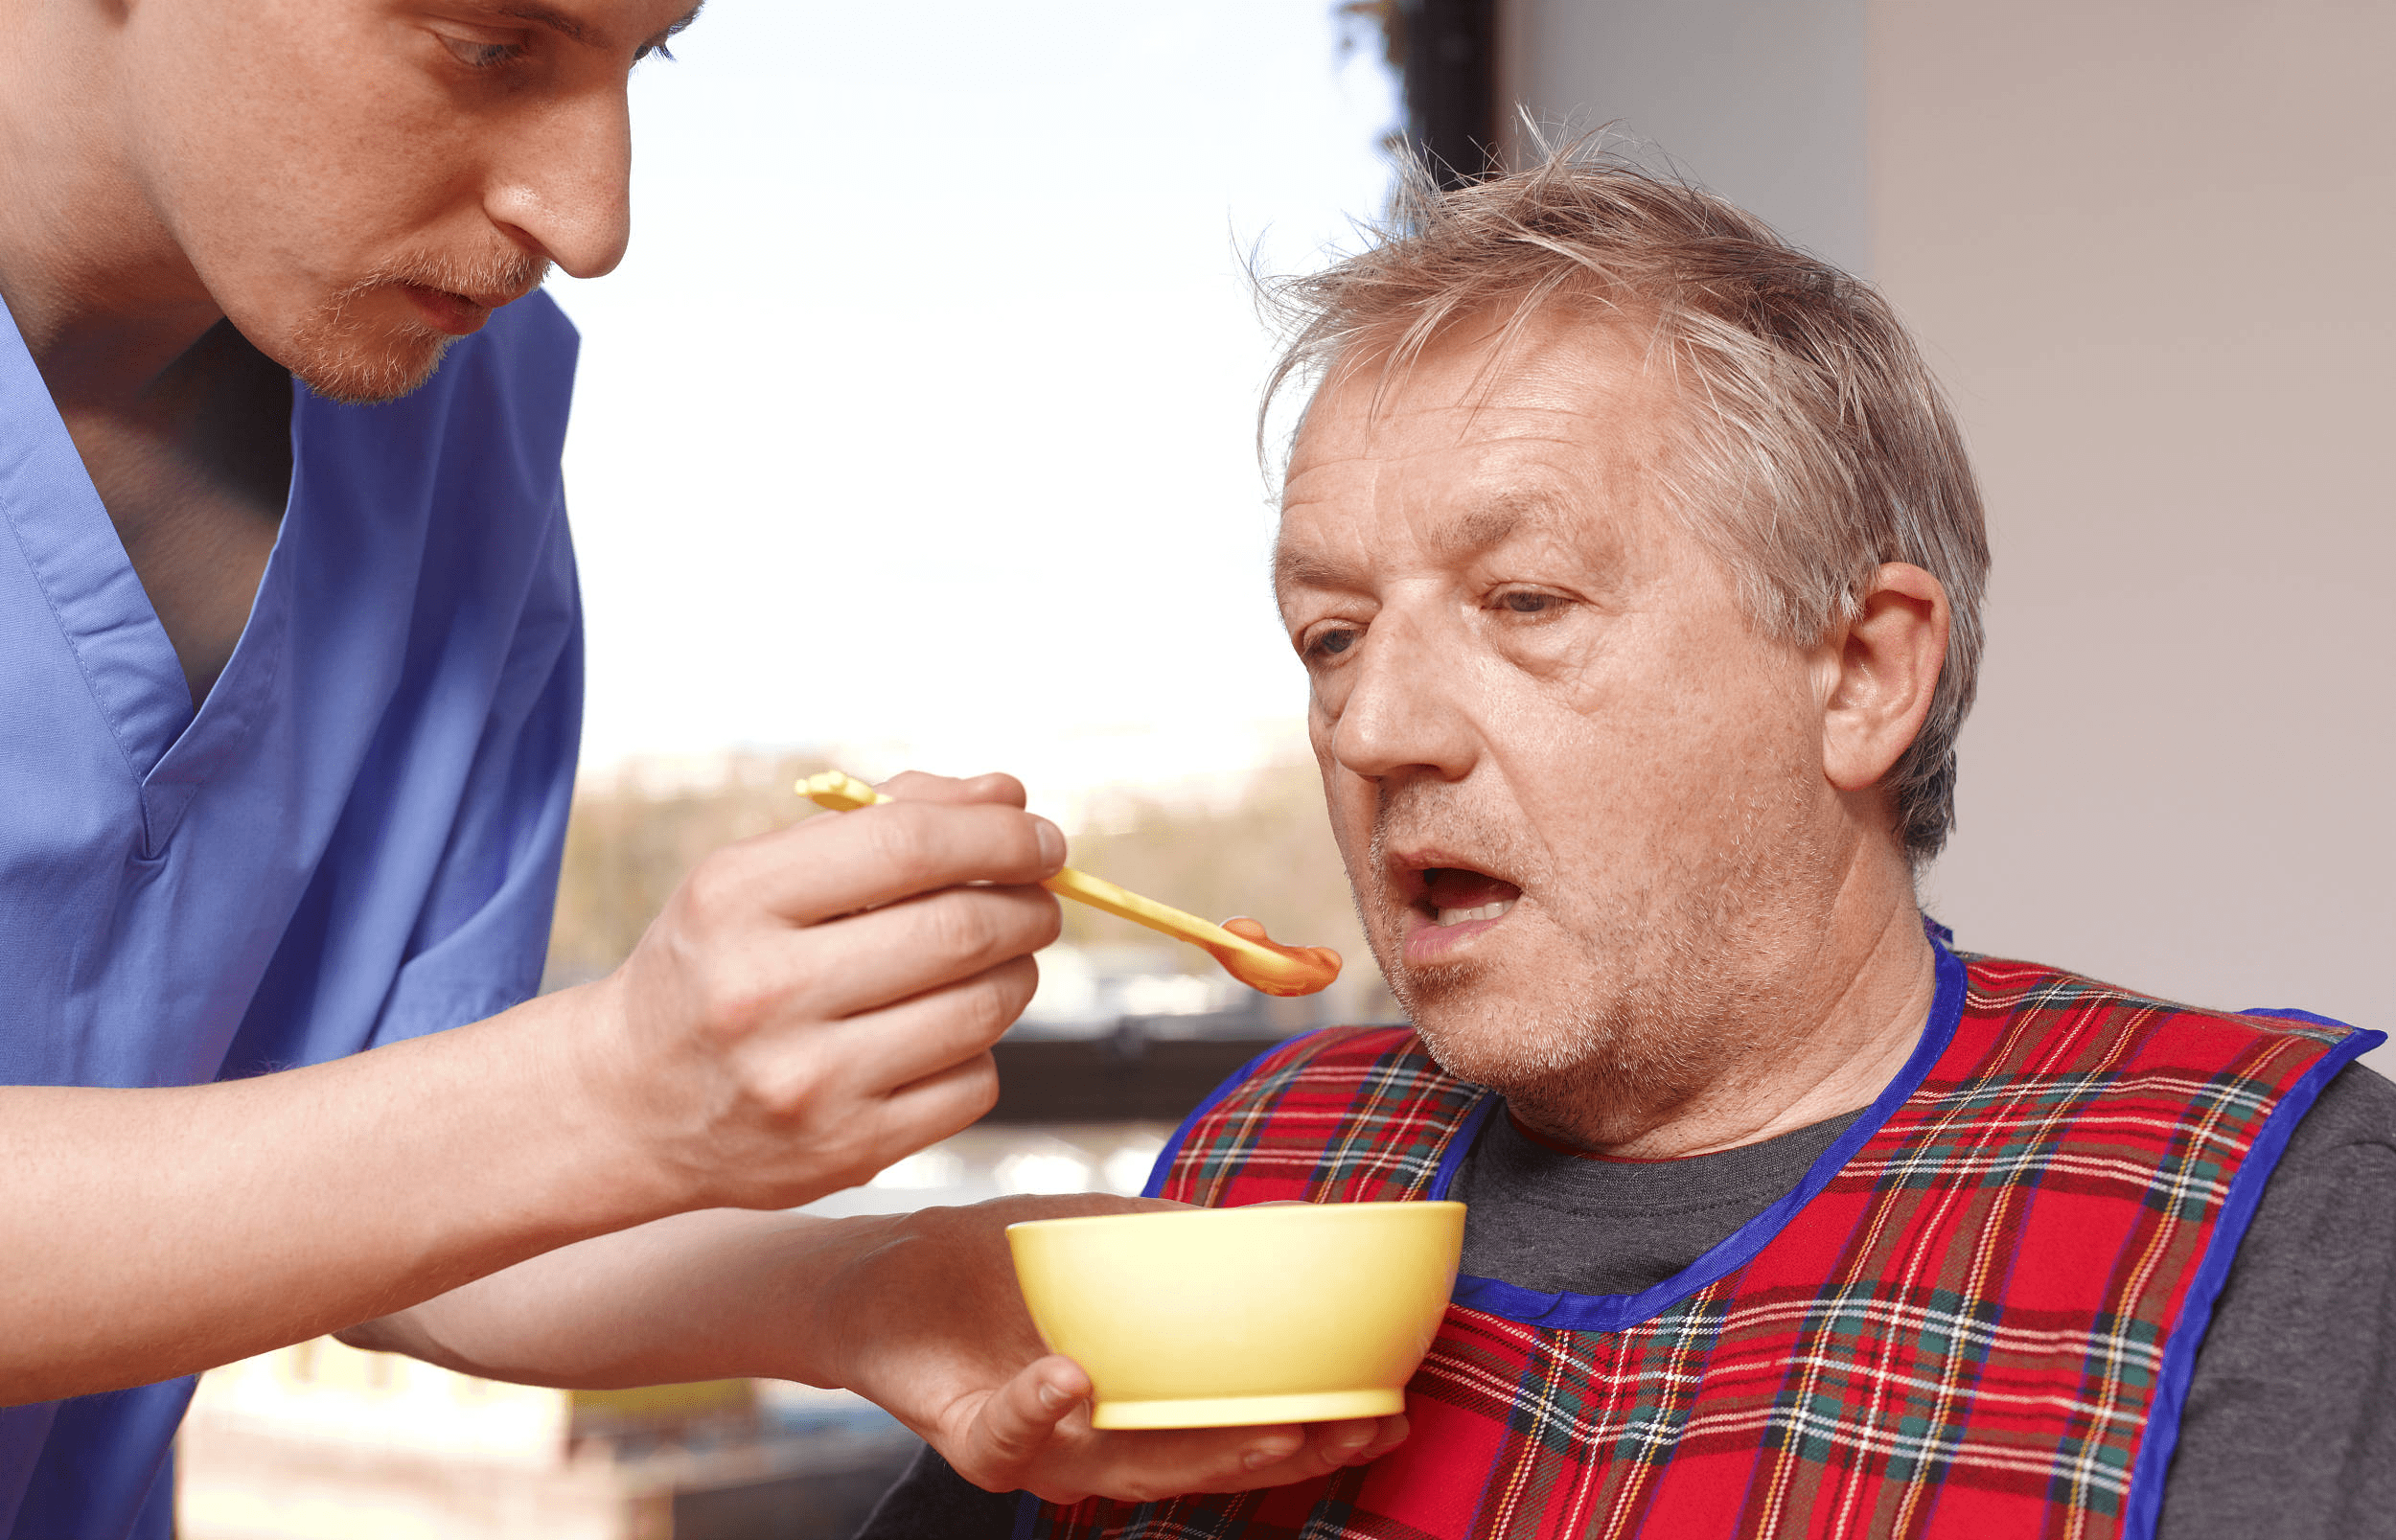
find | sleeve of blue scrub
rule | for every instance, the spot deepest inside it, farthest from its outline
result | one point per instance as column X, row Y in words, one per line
column 480, row 944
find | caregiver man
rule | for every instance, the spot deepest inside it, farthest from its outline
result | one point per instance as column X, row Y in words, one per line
column 1636, row 566
column 290, row 683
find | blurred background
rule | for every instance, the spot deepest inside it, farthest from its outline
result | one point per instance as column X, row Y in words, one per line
column 917, row 430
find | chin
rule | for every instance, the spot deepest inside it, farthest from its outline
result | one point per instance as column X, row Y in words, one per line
column 361, row 348
column 1490, row 1044
column 369, row 374
column 1568, row 1044
column 1463, row 1011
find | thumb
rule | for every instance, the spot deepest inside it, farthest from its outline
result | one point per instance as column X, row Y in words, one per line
column 1018, row 1419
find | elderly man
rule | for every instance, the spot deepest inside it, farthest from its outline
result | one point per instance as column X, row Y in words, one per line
column 1637, row 568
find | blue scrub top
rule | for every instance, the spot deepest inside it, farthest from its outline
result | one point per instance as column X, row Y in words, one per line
column 354, row 841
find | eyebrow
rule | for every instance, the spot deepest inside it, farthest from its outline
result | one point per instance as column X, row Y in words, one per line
column 1293, row 569
column 1481, row 528
column 574, row 28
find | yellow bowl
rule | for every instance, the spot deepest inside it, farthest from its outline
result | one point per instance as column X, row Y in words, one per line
column 1219, row 1318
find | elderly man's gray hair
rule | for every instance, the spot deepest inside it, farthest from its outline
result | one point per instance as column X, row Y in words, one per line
column 1817, row 445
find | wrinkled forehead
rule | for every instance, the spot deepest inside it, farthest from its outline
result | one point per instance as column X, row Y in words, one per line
column 1561, row 432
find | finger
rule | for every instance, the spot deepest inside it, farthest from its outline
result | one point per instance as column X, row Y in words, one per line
column 1341, row 1444
column 1141, row 1467
column 865, row 962
column 904, row 1043
column 920, row 786
column 819, row 868
column 1391, row 1432
column 930, row 1109
column 1016, row 1422
column 1326, row 1447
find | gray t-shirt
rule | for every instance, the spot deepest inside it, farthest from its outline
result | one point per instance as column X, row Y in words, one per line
column 2290, row 1428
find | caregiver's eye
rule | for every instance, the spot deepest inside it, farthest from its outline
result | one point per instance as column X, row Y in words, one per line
column 476, row 54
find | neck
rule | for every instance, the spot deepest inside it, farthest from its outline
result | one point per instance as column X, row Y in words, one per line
column 184, row 427
column 105, row 299
column 1826, row 1016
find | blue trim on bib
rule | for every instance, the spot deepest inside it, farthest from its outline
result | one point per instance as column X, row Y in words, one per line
column 2143, row 1508
column 1231, row 1082
column 1613, row 1312
column 1459, row 1144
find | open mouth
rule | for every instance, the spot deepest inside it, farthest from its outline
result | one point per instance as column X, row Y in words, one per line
column 1449, row 904
column 1452, row 895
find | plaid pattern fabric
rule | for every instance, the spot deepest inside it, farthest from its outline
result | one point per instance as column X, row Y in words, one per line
column 1960, row 1335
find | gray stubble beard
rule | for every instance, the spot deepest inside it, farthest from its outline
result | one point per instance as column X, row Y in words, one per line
column 1602, row 1066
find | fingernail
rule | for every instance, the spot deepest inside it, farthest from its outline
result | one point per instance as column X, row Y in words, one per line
column 1055, row 1399
column 1051, row 842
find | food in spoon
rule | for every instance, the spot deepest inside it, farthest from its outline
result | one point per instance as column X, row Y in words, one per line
column 1241, row 945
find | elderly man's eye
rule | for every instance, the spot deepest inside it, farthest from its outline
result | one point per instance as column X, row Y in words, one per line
column 1330, row 643
column 1527, row 604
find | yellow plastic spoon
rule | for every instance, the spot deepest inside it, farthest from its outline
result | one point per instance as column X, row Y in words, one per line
column 1239, row 945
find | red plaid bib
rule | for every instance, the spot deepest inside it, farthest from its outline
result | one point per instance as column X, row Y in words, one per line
column 1975, row 1316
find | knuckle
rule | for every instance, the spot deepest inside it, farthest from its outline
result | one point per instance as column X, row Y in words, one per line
column 709, row 892
column 1010, row 1443
column 988, row 1004
column 732, row 1003
column 901, row 840
column 1005, row 788
column 787, row 1092
column 959, row 925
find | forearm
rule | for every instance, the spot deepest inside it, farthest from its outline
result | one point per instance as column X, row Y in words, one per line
column 917, row 1312
column 813, row 1005
column 718, row 1293
column 153, row 1232
column 888, row 1305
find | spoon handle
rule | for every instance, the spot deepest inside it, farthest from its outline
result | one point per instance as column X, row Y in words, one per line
column 1100, row 894
column 844, row 793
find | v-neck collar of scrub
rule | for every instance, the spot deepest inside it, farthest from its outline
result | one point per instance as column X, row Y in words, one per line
column 50, row 504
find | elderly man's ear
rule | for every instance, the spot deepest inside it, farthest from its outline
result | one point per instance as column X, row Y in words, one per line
column 1879, row 672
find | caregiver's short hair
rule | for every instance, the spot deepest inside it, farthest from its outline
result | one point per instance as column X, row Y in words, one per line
column 1817, row 445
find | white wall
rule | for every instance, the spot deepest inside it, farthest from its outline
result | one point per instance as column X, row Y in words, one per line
column 1762, row 99
column 2145, row 243
column 2148, row 245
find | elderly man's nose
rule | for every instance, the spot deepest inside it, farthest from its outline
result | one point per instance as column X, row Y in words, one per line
column 568, row 189
column 1399, row 713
